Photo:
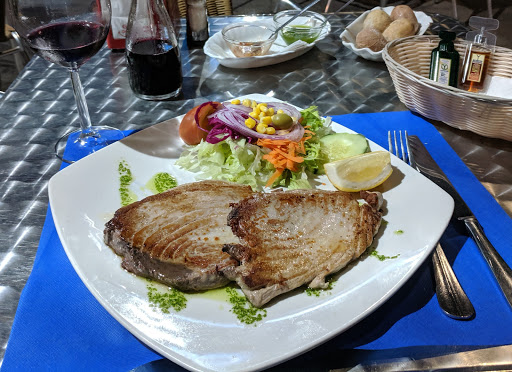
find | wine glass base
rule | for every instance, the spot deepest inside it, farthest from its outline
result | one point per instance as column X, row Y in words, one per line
column 75, row 145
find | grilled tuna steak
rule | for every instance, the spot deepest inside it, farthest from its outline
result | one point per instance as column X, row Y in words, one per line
column 176, row 237
column 292, row 238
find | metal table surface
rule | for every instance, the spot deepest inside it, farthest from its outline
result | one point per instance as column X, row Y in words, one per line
column 39, row 107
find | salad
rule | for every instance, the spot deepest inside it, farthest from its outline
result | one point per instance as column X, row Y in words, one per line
column 261, row 144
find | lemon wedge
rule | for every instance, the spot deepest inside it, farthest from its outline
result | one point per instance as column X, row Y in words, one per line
column 360, row 172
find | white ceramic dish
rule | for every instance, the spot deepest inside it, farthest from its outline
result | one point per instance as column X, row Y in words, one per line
column 206, row 336
column 348, row 36
column 217, row 48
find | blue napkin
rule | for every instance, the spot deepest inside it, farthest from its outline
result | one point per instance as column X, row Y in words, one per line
column 60, row 325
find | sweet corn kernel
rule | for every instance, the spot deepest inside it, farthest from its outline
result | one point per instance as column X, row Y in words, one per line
column 250, row 123
column 235, row 102
column 263, row 107
column 260, row 128
column 262, row 115
column 280, row 111
column 246, row 102
column 254, row 103
column 271, row 130
column 270, row 111
column 266, row 120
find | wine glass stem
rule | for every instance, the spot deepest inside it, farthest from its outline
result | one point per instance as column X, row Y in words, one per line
column 81, row 104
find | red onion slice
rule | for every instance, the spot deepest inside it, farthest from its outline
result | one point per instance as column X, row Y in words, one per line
column 233, row 116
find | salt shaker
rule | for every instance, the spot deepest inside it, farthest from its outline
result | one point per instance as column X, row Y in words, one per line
column 152, row 52
column 197, row 23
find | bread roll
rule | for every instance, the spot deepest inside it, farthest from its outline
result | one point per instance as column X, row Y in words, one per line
column 370, row 38
column 404, row 11
column 377, row 19
column 399, row 28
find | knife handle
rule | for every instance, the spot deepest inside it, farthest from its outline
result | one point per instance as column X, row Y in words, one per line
column 451, row 297
column 499, row 267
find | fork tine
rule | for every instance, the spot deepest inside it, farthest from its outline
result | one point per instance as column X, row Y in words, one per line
column 396, row 144
column 401, row 151
column 404, row 155
column 408, row 149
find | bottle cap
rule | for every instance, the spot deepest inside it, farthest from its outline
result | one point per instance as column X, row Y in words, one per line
column 447, row 35
column 481, row 35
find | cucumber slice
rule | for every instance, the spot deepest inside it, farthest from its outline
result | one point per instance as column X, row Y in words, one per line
column 343, row 145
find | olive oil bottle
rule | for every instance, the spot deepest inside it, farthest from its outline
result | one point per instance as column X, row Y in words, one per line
column 444, row 61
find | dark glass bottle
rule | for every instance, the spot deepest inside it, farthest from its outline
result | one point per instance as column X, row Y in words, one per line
column 444, row 62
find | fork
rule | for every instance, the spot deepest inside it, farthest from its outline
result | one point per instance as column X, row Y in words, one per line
column 451, row 297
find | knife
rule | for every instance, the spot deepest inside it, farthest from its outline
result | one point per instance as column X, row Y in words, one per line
column 429, row 168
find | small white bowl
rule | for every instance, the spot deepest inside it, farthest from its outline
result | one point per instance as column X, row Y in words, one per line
column 348, row 37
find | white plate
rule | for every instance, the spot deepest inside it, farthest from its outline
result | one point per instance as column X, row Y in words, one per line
column 217, row 48
column 348, row 37
column 206, row 336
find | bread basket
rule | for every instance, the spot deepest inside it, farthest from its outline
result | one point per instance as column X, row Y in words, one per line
column 408, row 62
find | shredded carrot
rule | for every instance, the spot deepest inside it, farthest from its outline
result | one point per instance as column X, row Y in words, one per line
column 284, row 154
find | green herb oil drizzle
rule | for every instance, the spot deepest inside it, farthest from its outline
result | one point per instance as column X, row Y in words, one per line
column 243, row 309
column 381, row 257
column 398, row 232
column 165, row 300
column 125, row 180
column 161, row 182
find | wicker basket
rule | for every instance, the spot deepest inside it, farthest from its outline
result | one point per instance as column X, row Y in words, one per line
column 408, row 62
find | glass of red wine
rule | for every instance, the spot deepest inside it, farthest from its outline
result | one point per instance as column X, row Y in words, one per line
column 68, row 33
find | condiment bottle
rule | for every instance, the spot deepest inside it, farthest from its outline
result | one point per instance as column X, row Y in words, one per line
column 197, row 23
column 444, row 62
column 479, row 49
column 152, row 52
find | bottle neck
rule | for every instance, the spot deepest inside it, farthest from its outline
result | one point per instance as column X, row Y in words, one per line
column 446, row 46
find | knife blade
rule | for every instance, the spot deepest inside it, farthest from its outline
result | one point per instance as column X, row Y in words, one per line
column 427, row 166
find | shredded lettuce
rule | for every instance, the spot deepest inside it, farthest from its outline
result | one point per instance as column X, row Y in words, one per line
column 229, row 160
column 236, row 160
column 314, row 159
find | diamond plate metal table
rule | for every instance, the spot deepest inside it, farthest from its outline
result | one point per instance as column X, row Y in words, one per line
column 39, row 107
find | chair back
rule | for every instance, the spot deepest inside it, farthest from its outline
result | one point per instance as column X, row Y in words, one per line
column 4, row 35
column 214, row 7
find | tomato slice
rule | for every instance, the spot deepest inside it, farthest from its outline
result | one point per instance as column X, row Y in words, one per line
column 189, row 129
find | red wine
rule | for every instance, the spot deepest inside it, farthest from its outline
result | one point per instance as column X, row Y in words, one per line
column 154, row 69
column 69, row 44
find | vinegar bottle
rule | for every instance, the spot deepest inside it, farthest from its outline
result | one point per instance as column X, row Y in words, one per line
column 479, row 49
column 152, row 52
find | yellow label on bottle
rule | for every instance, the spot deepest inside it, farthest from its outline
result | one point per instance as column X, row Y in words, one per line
column 476, row 67
column 443, row 74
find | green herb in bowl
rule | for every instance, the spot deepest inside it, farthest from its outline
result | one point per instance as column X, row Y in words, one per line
column 306, row 27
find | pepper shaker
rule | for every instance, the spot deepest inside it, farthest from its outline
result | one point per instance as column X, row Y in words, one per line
column 197, row 23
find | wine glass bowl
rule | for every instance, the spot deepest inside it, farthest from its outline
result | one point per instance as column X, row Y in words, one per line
column 68, row 33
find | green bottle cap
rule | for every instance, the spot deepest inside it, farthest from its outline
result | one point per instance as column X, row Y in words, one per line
column 447, row 35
